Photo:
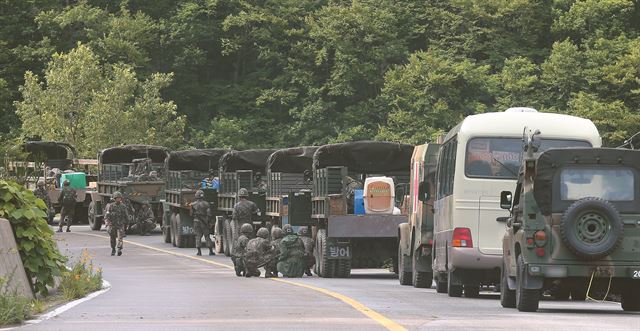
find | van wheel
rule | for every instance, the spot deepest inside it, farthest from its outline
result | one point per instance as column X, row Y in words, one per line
column 421, row 279
column 453, row 289
column 441, row 285
column 526, row 299
column 404, row 275
column 507, row 296
column 471, row 291
column 631, row 298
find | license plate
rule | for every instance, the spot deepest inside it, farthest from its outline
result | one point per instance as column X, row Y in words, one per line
column 635, row 274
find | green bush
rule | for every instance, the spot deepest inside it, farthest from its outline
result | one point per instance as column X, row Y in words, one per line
column 82, row 279
column 38, row 250
column 13, row 307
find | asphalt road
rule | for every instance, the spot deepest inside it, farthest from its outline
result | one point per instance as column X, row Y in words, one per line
column 159, row 287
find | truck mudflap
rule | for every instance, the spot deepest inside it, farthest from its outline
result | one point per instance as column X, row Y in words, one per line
column 338, row 249
column 365, row 226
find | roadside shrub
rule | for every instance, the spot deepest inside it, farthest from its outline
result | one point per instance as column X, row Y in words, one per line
column 40, row 255
column 13, row 307
column 81, row 279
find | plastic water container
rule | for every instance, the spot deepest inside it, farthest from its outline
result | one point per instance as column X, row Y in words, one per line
column 379, row 195
column 358, row 202
column 77, row 180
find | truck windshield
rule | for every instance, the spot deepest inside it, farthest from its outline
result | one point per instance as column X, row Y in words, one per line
column 500, row 158
column 614, row 184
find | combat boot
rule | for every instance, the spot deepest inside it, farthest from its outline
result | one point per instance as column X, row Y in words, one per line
column 211, row 253
column 68, row 229
column 113, row 251
column 59, row 230
column 199, row 252
column 308, row 272
column 119, row 251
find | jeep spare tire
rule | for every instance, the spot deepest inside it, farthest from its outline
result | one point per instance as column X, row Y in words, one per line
column 591, row 228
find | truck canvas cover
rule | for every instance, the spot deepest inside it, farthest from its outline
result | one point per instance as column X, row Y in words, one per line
column 52, row 150
column 128, row 153
column 292, row 160
column 196, row 159
column 252, row 159
column 365, row 156
column 552, row 161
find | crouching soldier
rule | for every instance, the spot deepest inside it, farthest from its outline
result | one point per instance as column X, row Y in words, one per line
column 276, row 237
column 259, row 252
column 116, row 219
column 309, row 244
column 239, row 248
column 145, row 220
column 291, row 259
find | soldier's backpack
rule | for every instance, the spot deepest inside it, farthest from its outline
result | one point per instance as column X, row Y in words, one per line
column 68, row 197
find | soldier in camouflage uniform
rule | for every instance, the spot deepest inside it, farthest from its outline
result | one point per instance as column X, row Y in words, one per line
column 272, row 267
column 259, row 253
column 201, row 212
column 239, row 247
column 68, row 201
column 116, row 219
column 309, row 245
column 145, row 220
column 41, row 193
column 243, row 212
column 291, row 258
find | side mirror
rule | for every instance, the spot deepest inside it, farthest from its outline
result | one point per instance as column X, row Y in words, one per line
column 423, row 193
column 505, row 199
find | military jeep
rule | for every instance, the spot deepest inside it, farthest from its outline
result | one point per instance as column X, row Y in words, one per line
column 574, row 226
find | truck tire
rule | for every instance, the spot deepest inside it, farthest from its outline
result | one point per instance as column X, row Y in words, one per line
column 526, row 299
column 454, row 290
column 227, row 238
column 326, row 266
column 591, row 228
column 441, row 285
column 404, row 276
column 507, row 296
column 181, row 240
column 631, row 298
column 343, row 268
column 95, row 222
column 421, row 279
column 218, row 236
column 173, row 229
column 166, row 229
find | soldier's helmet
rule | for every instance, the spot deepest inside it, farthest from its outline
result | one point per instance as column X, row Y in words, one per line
column 263, row 233
column 40, row 183
column 276, row 233
column 287, row 228
column 199, row 194
column 303, row 232
column 66, row 182
column 243, row 193
column 117, row 194
column 246, row 228
column 153, row 173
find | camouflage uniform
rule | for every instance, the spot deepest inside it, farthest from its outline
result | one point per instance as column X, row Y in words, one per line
column 41, row 193
column 309, row 245
column 239, row 247
column 116, row 218
column 291, row 259
column 259, row 253
column 276, row 237
column 68, row 201
column 242, row 212
column 145, row 220
column 201, row 212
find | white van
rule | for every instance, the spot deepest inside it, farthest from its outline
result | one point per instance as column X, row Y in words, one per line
column 479, row 158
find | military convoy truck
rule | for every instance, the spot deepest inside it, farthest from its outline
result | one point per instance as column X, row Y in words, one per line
column 574, row 225
column 347, row 235
column 240, row 169
column 186, row 171
column 289, row 178
column 415, row 258
column 137, row 171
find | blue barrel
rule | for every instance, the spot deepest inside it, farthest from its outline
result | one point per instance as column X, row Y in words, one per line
column 358, row 202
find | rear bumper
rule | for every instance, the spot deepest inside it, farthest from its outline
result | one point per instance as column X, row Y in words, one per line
column 618, row 270
column 365, row 226
column 472, row 258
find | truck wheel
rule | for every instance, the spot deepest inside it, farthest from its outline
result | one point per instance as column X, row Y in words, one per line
column 441, row 285
column 95, row 223
column 181, row 240
column 227, row 238
column 404, row 275
column 507, row 296
column 631, row 298
column 471, row 291
column 173, row 229
column 326, row 267
column 343, row 268
column 591, row 228
column 166, row 229
column 452, row 289
column 421, row 279
column 218, row 235
column 526, row 299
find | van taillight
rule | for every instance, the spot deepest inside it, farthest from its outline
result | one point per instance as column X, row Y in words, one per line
column 462, row 238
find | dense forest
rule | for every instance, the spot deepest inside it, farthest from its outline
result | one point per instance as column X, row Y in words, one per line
column 259, row 73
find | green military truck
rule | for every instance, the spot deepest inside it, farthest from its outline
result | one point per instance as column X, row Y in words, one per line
column 185, row 171
column 347, row 235
column 240, row 169
column 415, row 258
column 574, row 226
column 137, row 171
column 289, row 178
